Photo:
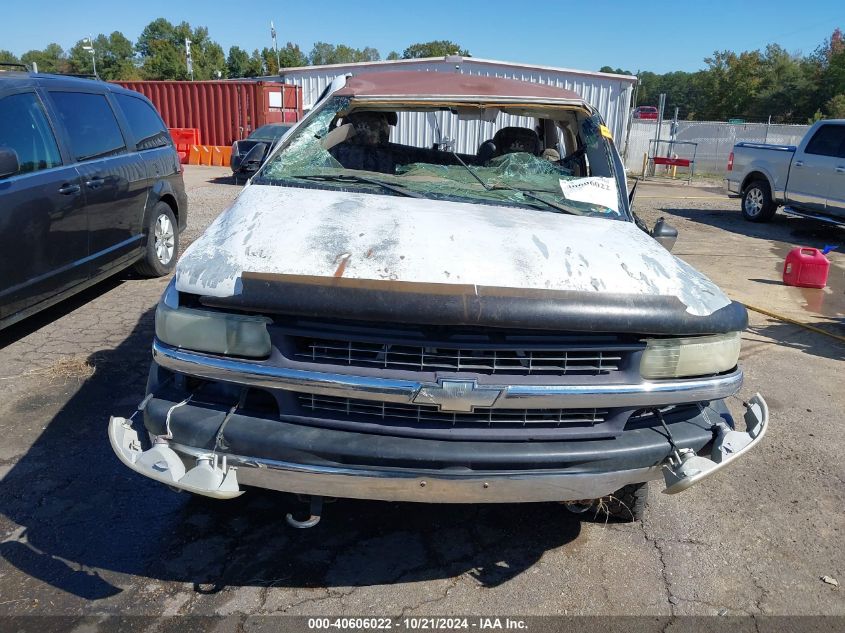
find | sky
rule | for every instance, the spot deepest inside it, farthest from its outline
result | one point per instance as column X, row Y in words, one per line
column 657, row 36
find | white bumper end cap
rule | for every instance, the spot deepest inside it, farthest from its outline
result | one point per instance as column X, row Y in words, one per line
column 728, row 446
column 208, row 478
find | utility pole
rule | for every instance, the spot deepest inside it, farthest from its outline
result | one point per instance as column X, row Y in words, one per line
column 90, row 49
column 276, row 47
column 188, row 59
column 660, row 109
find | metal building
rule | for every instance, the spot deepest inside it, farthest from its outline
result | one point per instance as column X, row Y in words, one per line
column 610, row 94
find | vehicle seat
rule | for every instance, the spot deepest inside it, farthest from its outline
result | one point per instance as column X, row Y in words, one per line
column 367, row 149
column 486, row 151
column 509, row 140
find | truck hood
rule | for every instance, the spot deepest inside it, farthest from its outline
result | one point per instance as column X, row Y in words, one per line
column 334, row 234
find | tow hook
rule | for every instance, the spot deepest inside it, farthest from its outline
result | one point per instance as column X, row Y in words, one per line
column 314, row 519
column 684, row 468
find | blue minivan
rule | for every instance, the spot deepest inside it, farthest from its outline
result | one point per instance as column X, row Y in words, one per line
column 90, row 184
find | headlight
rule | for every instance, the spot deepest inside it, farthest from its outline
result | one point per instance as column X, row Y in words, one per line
column 213, row 332
column 693, row 356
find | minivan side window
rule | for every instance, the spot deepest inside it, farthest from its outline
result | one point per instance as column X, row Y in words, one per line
column 24, row 128
column 92, row 128
column 147, row 127
column 829, row 140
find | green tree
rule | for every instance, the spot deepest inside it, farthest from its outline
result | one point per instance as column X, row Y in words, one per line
column 212, row 62
column 161, row 47
column 392, row 55
column 616, row 71
column 324, row 53
column 835, row 107
column 435, row 48
column 9, row 57
column 785, row 91
column 268, row 61
column 237, row 62
column 51, row 59
column 291, row 56
column 257, row 64
column 115, row 55
column 368, row 54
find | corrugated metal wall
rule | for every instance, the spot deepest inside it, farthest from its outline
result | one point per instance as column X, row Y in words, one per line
column 223, row 111
column 715, row 141
column 609, row 94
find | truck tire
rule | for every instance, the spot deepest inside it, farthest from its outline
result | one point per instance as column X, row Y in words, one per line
column 162, row 243
column 757, row 203
column 626, row 505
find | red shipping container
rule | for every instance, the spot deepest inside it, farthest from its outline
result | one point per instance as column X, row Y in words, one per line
column 222, row 111
column 806, row 267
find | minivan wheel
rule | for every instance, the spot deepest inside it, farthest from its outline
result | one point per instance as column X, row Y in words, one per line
column 757, row 203
column 162, row 242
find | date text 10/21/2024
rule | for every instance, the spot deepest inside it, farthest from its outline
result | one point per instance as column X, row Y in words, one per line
column 417, row 624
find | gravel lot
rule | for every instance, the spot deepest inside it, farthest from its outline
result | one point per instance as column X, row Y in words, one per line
column 81, row 534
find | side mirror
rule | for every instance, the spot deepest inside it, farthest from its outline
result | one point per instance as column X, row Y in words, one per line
column 9, row 164
column 664, row 233
column 253, row 159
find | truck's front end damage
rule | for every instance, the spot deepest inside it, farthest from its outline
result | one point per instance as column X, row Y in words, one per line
column 376, row 320
column 442, row 412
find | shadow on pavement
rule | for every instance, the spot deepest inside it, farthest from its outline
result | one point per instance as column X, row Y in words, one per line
column 226, row 180
column 85, row 519
column 795, row 337
column 33, row 323
column 790, row 230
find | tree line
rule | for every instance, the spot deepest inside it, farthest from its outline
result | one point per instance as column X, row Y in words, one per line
column 159, row 53
column 754, row 85
column 750, row 85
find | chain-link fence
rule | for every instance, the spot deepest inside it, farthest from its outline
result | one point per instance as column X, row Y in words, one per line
column 715, row 140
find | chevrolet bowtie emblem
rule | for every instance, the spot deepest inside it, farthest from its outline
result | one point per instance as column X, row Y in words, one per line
column 458, row 396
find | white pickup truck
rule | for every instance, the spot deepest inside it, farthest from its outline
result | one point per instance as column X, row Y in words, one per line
column 385, row 315
column 808, row 180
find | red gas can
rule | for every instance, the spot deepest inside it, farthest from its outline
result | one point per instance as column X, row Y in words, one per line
column 806, row 267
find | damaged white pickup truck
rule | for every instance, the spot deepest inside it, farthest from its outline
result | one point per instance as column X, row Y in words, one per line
column 435, row 290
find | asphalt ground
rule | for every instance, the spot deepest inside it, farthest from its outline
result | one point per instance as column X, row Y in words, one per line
column 82, row 535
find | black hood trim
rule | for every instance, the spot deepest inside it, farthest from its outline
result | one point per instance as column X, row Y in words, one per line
column 456, row 304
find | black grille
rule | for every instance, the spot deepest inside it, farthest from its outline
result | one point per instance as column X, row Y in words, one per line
column 584, row 360
column 403, row 414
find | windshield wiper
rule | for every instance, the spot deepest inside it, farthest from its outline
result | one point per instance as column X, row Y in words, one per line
column 525, row 192
column 372, row 181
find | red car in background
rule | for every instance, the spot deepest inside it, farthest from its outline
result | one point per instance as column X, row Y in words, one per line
column 645, row 112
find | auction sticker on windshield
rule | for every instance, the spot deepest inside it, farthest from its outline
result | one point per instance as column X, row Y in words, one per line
column 594, row 190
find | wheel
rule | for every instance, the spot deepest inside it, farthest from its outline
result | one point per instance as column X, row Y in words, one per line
column 162, row 243
column 626, row 505
column 757, row 203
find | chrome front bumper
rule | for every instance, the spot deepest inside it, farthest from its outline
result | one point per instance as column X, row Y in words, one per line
column 573, row 396
column 198, row 471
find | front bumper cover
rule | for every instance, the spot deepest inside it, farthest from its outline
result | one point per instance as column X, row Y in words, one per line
column 221, row 478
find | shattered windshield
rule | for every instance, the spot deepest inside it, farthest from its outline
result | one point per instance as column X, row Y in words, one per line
column 552, row 158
